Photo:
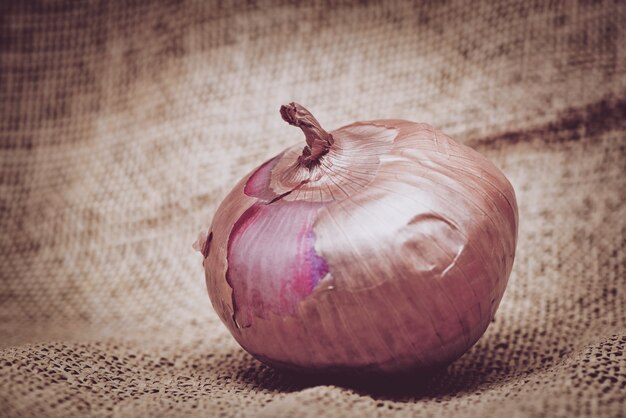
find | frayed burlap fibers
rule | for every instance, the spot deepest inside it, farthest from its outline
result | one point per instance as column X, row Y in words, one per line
column 123, row 125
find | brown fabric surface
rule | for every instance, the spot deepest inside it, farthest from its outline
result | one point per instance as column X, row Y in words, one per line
column 122, row 126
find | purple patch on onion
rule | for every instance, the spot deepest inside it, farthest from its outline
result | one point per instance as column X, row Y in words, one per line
column 272, row 263
column 258, row 185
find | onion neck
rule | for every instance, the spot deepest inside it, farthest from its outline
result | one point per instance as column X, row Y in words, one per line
column 317, row 139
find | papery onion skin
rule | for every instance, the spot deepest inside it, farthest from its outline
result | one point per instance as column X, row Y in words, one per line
column 385, row 246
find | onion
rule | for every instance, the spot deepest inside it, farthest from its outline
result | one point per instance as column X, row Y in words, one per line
column 383, row 246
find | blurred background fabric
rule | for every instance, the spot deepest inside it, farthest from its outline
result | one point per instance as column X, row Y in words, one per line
column 124, row 124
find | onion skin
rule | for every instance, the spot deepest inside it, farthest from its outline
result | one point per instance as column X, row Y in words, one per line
column 383, row 246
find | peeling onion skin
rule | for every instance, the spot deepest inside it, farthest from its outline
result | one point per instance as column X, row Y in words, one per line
column 383, row 246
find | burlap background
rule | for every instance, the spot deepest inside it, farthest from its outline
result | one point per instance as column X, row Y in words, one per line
column 123, row 125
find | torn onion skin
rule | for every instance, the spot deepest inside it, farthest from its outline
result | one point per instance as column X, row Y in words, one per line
column 383, row 247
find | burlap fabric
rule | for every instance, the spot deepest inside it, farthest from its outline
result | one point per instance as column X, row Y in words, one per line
column 122, row 127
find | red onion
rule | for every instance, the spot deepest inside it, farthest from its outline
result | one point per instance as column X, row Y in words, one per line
column 383, row 246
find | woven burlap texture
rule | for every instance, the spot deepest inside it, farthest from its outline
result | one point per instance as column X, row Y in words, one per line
column 122, row 126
